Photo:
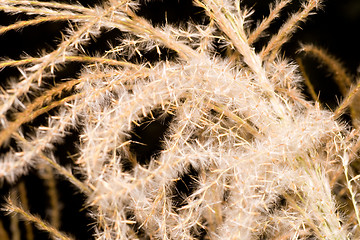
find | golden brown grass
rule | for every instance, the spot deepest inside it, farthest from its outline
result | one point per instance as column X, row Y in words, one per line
column 236, row 150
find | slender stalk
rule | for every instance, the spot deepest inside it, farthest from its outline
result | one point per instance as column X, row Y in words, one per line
column 347, row 101
column 41, row 224
column 283, row 35
column 345, row 161
column 265, row 23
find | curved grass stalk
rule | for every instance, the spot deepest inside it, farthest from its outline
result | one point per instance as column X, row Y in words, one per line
column 243, row 123
column 60, row 52
column 308, row 84
column 345, row 162
column 21, row 24
column 55, row 5
column 35, row 109
column 347, row 100
column 238, row 167
column 285, row 32
column 41, row 224
column 265, row 23
column 85, row 59
column 342, row 79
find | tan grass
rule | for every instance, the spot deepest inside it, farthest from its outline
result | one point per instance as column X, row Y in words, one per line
column 255, row 159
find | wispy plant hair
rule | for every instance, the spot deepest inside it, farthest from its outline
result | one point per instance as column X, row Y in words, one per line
column 238, row 152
